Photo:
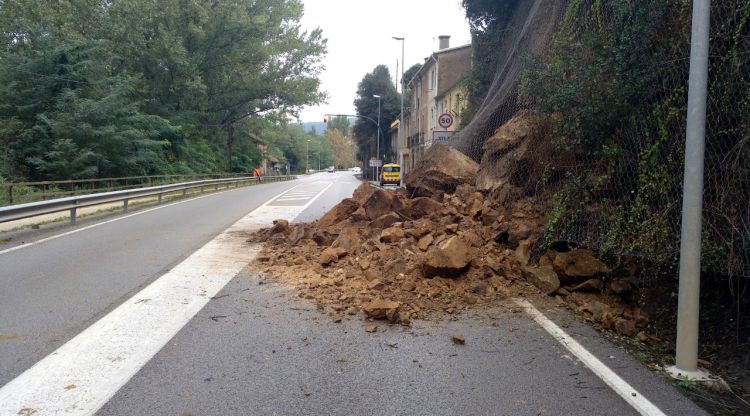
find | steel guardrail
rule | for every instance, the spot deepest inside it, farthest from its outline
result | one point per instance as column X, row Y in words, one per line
column 72, row 203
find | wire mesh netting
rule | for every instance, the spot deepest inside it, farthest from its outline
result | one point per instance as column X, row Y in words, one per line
column 586, row 115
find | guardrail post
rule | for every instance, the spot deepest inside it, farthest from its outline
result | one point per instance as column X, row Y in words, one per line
column 10, row 195
column 125, row 205
column 202, row 189
column 184, row 193
column 159, row 200
column 73, row 216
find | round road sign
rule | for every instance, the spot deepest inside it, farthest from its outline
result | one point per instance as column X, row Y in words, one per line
column 445, row 120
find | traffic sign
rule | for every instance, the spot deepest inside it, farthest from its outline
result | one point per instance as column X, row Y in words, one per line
column 445, row 120
column 375, row 163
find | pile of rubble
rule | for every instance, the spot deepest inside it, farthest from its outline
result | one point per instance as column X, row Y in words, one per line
column 442, row 246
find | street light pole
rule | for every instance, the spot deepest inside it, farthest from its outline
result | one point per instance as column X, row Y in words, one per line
column 307, row 157
column 377, row 155
column 401, row 132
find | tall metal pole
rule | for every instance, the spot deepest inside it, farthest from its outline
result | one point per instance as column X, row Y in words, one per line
column 307, row 156
column 686, row 358
column 377, row 156
column 401, row 131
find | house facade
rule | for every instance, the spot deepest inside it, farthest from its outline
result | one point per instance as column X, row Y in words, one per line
column 436, row 90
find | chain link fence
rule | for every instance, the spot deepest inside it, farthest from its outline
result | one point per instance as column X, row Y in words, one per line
column 585, row 120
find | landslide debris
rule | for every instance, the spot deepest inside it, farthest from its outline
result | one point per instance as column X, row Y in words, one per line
column 442, row 245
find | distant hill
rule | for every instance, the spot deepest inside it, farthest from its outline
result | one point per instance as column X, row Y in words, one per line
column 320, row 127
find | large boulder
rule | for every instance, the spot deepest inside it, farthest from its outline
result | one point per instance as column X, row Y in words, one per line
column 340, row 212
column 577, row 264
column 423, row 207
column 363, row 192
column 441, row 170
column 544, row 278
column 382, row 202
column 517, row 157
column 450, row 258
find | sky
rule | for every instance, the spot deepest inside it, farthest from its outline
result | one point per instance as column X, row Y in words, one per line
column 359, row 39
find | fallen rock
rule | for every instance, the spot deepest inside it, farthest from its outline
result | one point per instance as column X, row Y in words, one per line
column 378, row 308
column 441, row 170
column 424, row 242
column 578, row 263
column 338, row 213
column 423, row 207
column 392, row 235
column 544, row 278
column 591, row 285
column 381, row 203
column 516, row 155
column 626, row 327
column 280, row 227
column 385, row 221
column 370, row 328
column 449, row 259
column 458, row 339
column 596, row 309
column 331, row 254
column 348, row 239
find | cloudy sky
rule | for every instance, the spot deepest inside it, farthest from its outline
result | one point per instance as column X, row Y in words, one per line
column 359, row 38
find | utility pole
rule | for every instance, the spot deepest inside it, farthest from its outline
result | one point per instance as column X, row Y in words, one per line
column 377, row 155
column 401, row 132
column 686, row 356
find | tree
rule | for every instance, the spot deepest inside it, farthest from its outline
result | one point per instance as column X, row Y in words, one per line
column 340, row 123
column 408, row 75
column 342, row 148
column 143, row 87
column 377, row 82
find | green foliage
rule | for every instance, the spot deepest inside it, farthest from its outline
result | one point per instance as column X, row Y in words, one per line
column 377, row 82
column 488, row 20
column 133, row 87
column 615, row 84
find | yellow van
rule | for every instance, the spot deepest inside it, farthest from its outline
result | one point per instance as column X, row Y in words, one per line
column 391, row 174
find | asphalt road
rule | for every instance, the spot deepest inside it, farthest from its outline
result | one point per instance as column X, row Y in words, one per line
column 256, row 348
column 53, row 290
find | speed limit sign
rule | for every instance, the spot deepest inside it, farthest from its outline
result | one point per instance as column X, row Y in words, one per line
column 445, row 120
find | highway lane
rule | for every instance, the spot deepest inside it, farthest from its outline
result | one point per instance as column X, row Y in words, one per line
column 53, row 290
column 258, row 349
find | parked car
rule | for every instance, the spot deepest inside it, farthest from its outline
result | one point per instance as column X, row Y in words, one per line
column 331, row 169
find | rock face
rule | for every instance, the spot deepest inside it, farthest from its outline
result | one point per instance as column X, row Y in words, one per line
column 441, row 170
column 340, row 212
column 449, row 259
column 514, row 154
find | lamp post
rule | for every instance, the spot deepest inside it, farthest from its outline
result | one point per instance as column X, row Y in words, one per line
column 401, row 132
column 377, row 154
column 307, row 157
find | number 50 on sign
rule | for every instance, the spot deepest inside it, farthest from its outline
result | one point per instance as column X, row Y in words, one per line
column 445, row 120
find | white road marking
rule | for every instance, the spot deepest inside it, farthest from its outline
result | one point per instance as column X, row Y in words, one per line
column 620, row 386
column 88, row 227
column 83, row 374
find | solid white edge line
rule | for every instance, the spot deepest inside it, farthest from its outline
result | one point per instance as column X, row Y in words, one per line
column 87, row 371
column 615, row 382
column 88, row 227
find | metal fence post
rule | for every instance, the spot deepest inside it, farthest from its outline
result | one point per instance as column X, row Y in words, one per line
column 73, row 216
column 125, row 205
column 686, row 357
